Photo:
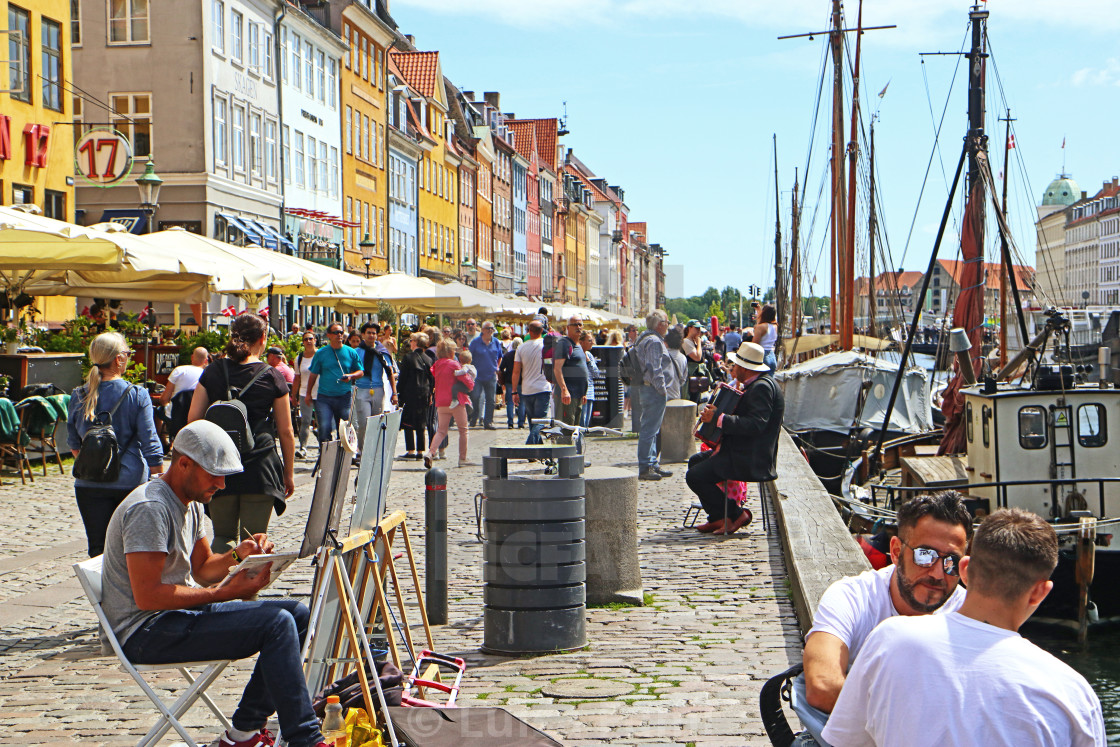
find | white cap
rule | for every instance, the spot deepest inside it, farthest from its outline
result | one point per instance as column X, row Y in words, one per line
column 209, row 447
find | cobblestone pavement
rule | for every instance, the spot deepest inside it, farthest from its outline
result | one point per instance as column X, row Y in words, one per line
column 689, row 665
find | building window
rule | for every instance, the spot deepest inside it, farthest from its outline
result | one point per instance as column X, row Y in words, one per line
column 266, row 53
column 297, row 61
column 239, row 138
column 299, row 159
column 357, row 133
column 324, row 175
column 133, row 117
column 219, row 12
column 286, row 160
column 321, row 73
column 52, row 64
column 354, row 52
column 54, row 204
column 365, row 137
column 309, row 68
column 284, row 54
column 332, row 81
column 235, row 23
column 221, row 116
column 254, row 47
column 23, row 194
column 312, row 165
column 75, row 23
column 333, row 186
column 256, row 157
column 270, row 150
column 19, row 53
column 128, row 21
column 347, row 133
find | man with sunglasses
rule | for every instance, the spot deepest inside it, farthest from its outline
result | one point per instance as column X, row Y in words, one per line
column 569, row 371
column 335, row 367
column 986, row 684
column 933, row 531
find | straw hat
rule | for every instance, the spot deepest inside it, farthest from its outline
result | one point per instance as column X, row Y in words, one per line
column 750, row 356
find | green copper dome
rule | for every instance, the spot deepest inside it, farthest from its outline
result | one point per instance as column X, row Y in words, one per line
column 1062, row 191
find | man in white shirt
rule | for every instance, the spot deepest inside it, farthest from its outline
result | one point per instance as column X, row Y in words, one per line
column 528, row 383
column 978, row 681
column 180, row 387
column 933, row 532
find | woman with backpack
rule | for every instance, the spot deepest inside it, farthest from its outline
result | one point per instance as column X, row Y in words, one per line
column 106, row 398
column 245, row 504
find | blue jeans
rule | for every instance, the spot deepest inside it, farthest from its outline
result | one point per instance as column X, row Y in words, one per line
column 585, row 416
column 482, row 400
column 536, row 410
column 649, row 424
column 510, row 409
column 274, row 628
column 329, row 409
column 770, row 360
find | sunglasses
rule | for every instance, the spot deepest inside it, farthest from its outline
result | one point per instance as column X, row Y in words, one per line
column 925, row 557
column 334, row 331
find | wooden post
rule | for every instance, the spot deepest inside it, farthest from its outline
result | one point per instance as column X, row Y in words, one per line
column 1086, row 561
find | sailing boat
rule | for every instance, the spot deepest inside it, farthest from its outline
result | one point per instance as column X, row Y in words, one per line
column 1040, row 443
column 836, row 401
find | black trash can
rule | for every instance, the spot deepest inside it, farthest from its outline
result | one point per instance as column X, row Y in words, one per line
column 534, row 555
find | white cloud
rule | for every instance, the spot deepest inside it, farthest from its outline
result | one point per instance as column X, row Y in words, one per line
column 1107, row 75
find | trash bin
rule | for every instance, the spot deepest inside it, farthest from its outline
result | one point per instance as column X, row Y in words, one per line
column 534, row 553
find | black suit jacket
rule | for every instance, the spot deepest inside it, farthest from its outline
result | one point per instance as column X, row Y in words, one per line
column 749, row 448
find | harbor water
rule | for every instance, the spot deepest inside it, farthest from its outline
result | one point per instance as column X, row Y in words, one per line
column 1098, row 662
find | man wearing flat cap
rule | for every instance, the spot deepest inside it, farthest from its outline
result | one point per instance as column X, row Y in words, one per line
column 748, row 450
column 162, row 598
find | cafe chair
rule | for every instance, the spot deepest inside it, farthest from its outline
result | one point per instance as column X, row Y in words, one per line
column 89, row 575
column 39, row 421
column 13, row 440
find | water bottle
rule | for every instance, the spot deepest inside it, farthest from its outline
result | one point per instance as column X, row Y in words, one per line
column 334, row 726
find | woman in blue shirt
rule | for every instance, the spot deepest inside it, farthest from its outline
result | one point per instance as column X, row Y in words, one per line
column 134, row 426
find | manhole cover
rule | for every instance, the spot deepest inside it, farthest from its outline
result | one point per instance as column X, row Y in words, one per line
column 586, row 688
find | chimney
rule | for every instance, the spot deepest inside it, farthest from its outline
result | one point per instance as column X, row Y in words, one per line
column 1116, row 181
column 509, row 115
column 468, row 95
column 411, row 40
column 1084, row 195
column 493, row 98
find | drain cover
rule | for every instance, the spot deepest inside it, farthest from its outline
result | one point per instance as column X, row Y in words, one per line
column 585, row 688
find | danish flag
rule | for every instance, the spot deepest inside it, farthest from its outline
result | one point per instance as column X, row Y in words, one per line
column 229, row 311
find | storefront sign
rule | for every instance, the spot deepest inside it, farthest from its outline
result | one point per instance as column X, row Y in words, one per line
column 103, row 157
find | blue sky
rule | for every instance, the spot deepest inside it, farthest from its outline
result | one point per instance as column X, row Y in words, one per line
column 677, row 102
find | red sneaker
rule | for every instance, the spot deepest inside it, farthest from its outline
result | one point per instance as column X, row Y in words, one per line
column 261, row 739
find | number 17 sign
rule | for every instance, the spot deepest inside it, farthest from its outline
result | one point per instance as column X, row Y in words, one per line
column 103, row 157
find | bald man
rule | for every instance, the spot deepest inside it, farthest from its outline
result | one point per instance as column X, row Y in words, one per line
column 180, row 389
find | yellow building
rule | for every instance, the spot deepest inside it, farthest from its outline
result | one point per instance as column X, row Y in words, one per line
column 365, row 145
column 36, row 137
column 438, row 172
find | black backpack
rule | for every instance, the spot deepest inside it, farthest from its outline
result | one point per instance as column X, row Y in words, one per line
column 629, row 368
column 548, row 342
column 99, row 458
column 231, row 415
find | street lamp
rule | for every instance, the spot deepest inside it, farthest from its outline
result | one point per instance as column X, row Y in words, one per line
column 149, row 184
column 367, row 246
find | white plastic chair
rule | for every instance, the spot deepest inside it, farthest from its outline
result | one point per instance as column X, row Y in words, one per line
column 89, row 575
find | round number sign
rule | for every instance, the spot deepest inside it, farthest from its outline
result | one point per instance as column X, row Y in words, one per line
column 103, row 157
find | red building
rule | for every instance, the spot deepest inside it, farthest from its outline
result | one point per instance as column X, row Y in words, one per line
column 525, row 143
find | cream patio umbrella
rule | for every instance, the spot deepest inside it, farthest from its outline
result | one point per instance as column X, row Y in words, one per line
column 403, row 292
column 46, row 257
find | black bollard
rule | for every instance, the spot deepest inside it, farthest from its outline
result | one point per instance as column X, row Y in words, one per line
column 435, row 545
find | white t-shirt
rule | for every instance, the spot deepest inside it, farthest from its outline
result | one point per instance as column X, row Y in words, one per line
column 852, row 607
column 304, row 372
column 185, row 378
column 528, row 354
column 948, row 679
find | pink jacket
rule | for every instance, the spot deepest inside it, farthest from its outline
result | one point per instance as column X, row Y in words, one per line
column 443, row 371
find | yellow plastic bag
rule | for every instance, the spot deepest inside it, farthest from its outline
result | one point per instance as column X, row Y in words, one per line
column 359, row 731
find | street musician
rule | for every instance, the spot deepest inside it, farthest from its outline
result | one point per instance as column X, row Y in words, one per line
column 748, row 448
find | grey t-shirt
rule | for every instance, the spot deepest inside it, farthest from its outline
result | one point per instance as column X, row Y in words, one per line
column 151, row 519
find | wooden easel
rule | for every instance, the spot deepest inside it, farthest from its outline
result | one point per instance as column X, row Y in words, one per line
column 371, row 565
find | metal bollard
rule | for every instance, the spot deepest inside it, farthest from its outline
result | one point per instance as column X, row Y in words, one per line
column 435, row 545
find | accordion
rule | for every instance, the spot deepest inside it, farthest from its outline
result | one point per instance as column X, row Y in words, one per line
column 725, row 400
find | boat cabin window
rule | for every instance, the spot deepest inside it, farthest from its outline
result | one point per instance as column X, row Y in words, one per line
column 985, row 420
column 968, row 421
column 1091, row 426
column 1032, row 427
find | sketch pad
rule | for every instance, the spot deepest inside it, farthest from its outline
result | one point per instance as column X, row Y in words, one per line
column 254, row 563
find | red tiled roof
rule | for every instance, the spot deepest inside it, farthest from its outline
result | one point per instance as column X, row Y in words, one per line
column 420, row 70
column 1024, row 275
column 596, row 193
column 524, row 136
column 546, row 130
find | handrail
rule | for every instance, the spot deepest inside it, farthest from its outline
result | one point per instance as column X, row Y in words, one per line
column 1001, row 486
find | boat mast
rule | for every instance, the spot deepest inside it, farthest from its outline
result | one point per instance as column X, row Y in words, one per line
column 977, row 142
column 1007, row 268
column 871, row 301
column 839, row 198
column 848, row 266
column 795, row 266
column 779, row 286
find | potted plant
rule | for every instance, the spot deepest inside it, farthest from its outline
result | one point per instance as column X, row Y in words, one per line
column 10, row 336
